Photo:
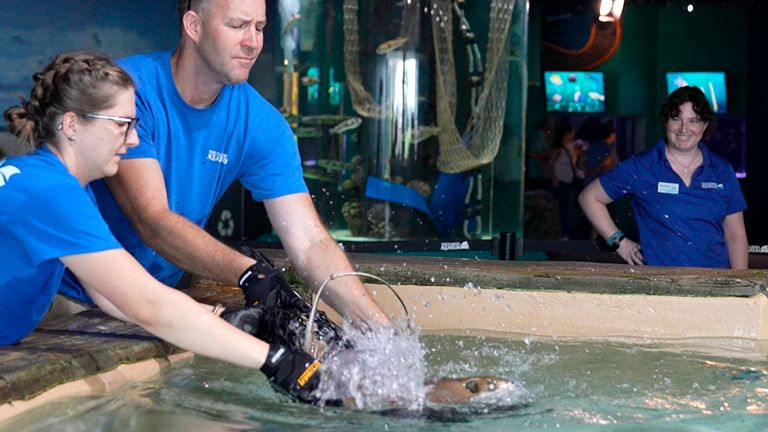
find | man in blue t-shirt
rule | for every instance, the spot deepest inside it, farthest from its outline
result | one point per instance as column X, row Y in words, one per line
column 203, row 127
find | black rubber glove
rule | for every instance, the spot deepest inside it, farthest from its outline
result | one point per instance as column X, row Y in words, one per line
column 294, row 372
column 264, row 284
column 250, row 320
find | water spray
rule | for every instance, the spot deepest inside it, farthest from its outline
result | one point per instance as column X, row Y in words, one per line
column 311, row 321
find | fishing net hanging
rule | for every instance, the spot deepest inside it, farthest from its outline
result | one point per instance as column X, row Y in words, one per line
column 479, row 143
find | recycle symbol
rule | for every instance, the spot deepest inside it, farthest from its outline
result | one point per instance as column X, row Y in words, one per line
column 226, row 225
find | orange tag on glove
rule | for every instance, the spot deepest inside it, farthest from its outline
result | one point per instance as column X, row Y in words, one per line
column 308, row 372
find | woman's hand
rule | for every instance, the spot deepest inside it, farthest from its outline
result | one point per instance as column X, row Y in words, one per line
column 631, row 252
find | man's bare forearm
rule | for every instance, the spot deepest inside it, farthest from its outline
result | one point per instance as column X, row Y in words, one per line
column 346, row 295
column 191, row 248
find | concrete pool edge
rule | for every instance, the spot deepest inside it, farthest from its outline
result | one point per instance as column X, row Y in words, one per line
column 100, row 383
column 576, row 314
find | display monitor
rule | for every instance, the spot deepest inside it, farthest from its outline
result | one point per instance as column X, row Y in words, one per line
column 711, row 83
column 574, row 91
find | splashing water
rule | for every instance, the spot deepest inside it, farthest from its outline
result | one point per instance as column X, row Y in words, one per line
column 385, row 369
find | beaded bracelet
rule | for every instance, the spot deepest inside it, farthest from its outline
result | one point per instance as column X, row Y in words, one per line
column 218, row 309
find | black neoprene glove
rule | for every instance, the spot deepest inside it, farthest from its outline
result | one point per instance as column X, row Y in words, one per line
column 264, row 284
column 294, row 372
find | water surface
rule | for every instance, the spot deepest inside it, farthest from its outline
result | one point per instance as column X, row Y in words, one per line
column 567, row 385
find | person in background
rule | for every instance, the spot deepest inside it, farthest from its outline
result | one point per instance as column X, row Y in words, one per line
column 202, row 128
column 538, row 150
column 78, row 123
column 601, row 155
column 687, row 200
column 563, row 160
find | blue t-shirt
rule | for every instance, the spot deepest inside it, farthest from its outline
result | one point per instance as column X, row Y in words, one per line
column 201, row 153
column 45, row 214
column 679, row 225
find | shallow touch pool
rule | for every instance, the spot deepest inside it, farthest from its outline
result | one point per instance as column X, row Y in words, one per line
column 569, row 386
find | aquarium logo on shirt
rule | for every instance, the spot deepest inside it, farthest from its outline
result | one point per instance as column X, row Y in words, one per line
column 6, row 172
column 217, row 157
column 711, row 185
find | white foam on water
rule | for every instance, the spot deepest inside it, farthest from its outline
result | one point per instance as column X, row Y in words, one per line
column 385, row 368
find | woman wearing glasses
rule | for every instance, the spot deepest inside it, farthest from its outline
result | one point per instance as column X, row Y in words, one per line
column 80, row 118
column 687, row 201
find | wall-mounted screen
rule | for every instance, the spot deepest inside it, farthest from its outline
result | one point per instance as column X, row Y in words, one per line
column 711, row 83
column 574, row 91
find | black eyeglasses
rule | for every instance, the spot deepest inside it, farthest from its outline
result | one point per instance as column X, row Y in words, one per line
column 132, row 122
column 189, row 5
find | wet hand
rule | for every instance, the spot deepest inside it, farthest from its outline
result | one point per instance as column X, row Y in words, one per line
column 631, row 252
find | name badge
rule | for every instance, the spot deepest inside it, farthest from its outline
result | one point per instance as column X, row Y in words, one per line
column 668, row 188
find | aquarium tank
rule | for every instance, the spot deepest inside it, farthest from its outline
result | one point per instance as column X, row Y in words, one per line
column 408, row 116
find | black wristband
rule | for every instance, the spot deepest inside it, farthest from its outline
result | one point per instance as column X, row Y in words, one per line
column 614, row 241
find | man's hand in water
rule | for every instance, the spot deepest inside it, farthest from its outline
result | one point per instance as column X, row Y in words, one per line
column 294, row 372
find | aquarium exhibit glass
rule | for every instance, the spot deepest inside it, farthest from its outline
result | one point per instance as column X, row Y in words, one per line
column 408, row 116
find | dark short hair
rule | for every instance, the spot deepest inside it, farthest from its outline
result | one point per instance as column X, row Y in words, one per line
column 199, row 6
column 671, row 107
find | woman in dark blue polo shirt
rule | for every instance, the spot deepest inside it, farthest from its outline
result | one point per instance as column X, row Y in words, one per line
column 687, row 201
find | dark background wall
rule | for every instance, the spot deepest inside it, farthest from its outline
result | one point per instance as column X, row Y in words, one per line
column 757, row 113
column 660, row 37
